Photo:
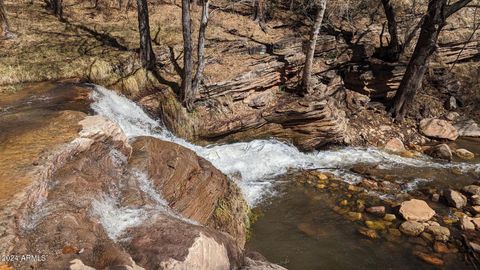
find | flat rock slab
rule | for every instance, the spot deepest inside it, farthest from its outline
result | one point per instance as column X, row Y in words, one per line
column 416, row 210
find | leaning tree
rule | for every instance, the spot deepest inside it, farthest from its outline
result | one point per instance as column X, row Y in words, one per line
column 432, row 24
column 306, row 86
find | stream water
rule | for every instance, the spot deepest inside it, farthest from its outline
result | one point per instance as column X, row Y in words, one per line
column 263, row 169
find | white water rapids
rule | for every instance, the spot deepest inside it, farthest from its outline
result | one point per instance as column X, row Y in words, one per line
column 257, row 162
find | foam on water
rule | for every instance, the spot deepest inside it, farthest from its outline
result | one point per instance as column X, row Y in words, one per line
column 257, row 162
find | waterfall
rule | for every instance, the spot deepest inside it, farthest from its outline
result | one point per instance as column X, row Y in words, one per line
column 258, row 162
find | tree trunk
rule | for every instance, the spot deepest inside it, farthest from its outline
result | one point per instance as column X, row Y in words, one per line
column 394, row 47
column 57, row 7
column 201, row 49
column 187, row 95
column 260, row 7
column 307, row 70
column 3, row 20
column 426, row 45
column 147, row 56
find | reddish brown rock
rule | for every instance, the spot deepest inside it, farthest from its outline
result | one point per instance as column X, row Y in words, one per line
column 191, row 185
column 430, row 259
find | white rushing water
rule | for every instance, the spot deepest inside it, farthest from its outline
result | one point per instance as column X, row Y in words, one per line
column 258, row 162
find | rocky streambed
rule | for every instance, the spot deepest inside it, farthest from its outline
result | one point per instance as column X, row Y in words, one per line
column 90, row 181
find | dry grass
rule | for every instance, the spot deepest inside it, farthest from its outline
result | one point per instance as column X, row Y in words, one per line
column 47, row 49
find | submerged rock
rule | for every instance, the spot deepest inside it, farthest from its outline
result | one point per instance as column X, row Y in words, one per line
column 370, row 233
column 464, row 154
column 440, row 247
column 412, row 228
column 354, row 216
column 439, row 232
column 430, row 259
column 376, row 210
column 389, row 217
column 416, row 210
column 376, row 224
column 437, row 128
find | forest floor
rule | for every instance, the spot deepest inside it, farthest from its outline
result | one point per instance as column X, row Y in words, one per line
column 100, row 45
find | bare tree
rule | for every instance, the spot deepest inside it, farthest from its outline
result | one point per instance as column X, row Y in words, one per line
column 147, row 56
column 307, row 70
column 187, row 94
column 259, row 15
column 433, row 22
column 201, row 49
column 57, row 7
column 3, row 21
column 394, row 46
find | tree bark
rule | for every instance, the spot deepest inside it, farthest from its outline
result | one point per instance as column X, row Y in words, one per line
column 433, row 22
column 394, row 47
column 201, row 49
column 3, row 20
column 427, row 42
column 187, row 95
column 147, row 56
column 260, row 7
column 57, row 7
column 307, row 70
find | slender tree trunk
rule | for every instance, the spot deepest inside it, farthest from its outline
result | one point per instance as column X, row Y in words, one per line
column 3, row 20
column 147, row 56
column 260, row 7
column 57, row 7
column 307, row 70
column 201, row 49
column 394, row 47
column 187, row 95
column 426, row 45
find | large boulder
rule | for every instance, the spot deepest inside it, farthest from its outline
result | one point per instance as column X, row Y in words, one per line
column 416, row 210
column 191, row 185
column 89, row 204
column 437, row 128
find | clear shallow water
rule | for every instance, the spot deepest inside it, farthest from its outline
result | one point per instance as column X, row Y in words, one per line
column 299, row 230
